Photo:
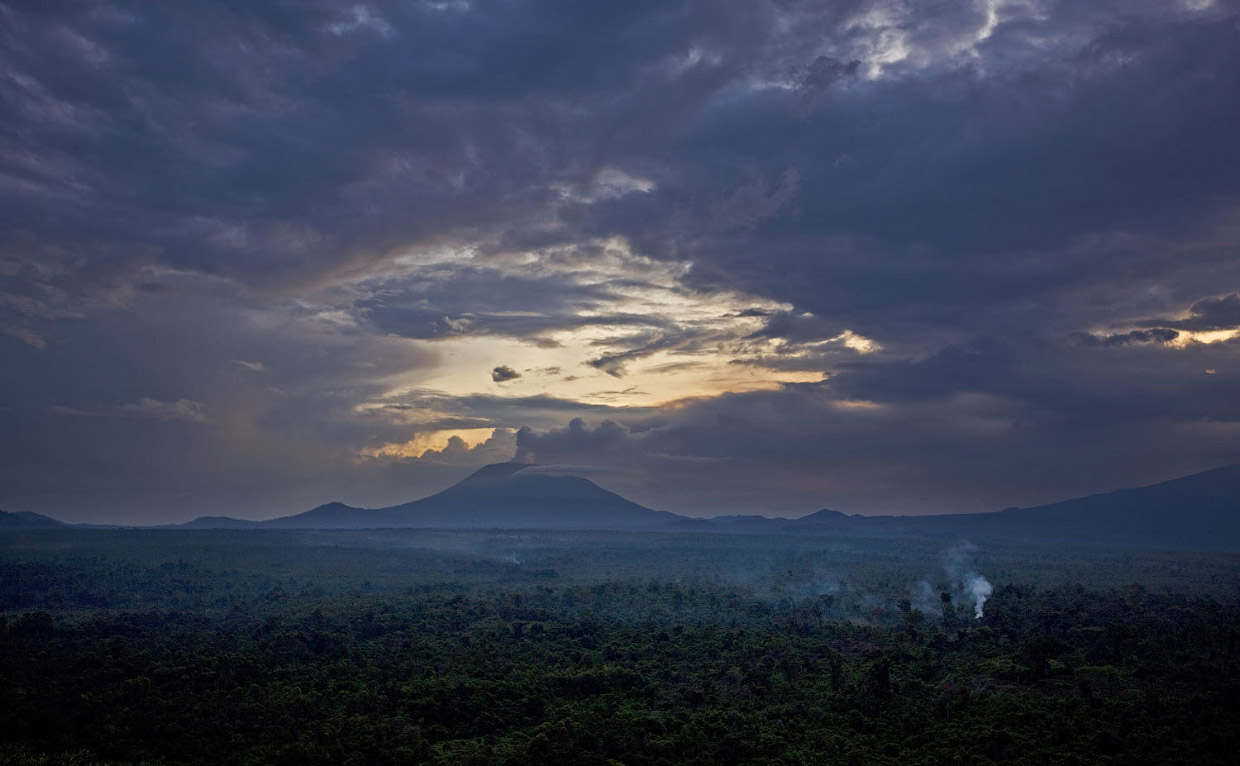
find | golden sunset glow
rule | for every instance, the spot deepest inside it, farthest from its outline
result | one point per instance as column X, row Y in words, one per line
column 429, row 440
column 647, row 342
column 1185, row 339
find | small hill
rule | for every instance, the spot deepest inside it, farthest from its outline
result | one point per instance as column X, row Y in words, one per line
column 218, row 522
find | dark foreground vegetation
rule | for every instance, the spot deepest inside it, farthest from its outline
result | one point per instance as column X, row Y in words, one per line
column 457, row 648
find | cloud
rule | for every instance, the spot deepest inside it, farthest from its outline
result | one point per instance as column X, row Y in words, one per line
column 753, row 203
column 1208, row 314
column 362, row 18
column 504, row 373
column 497, row 447
column 576, row 435
column 26, row 335
column 823, row 73
column 861, row 252
column 567, row 470
column 181, row 409
column 1157, row 335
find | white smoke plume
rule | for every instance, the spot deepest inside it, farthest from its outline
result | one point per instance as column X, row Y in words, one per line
column 968, row 584
column 979, row 589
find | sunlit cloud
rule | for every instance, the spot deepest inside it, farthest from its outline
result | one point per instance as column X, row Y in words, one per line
column 635, row 319
column 858, row 343
column 432, row 441
column 1187, row 338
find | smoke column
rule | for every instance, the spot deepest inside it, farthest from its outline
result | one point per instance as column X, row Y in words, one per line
column 969, row 584
column 979, row 589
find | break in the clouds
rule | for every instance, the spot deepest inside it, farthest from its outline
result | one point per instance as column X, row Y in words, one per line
column 875, row 255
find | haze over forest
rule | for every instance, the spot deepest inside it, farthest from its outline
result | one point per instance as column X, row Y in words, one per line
column 875, row 256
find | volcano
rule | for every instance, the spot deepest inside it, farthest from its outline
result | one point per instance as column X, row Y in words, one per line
column 499, row 496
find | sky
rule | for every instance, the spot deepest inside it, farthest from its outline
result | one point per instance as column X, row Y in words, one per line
column 881, row 256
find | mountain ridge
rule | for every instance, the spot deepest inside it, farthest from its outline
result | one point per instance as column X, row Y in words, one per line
column 1198, row 511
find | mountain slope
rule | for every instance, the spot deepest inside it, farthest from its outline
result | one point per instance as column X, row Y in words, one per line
column 1197, row 511
column 27, row 520
column 1200, row 511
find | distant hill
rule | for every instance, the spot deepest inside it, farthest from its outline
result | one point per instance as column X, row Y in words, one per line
column 218, row 522
column 501, row 495
column 27, row 520
column 1201, row 511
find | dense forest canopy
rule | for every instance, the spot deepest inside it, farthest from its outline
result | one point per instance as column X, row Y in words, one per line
column 499, row 647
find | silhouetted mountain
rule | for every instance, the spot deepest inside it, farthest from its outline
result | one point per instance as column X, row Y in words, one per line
column 513, row 495
column 1199, row 511
column 27, row 520
column 502, row 495
column 825, row 517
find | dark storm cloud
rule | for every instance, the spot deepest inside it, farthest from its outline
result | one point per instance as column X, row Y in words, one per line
column 957, row 195
column 228, row 225
column 285, row 143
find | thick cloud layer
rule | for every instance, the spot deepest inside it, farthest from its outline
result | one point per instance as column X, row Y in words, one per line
column 881, row 255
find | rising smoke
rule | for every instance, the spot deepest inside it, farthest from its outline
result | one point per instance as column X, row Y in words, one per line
column 925, row 599
column 967, row 584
